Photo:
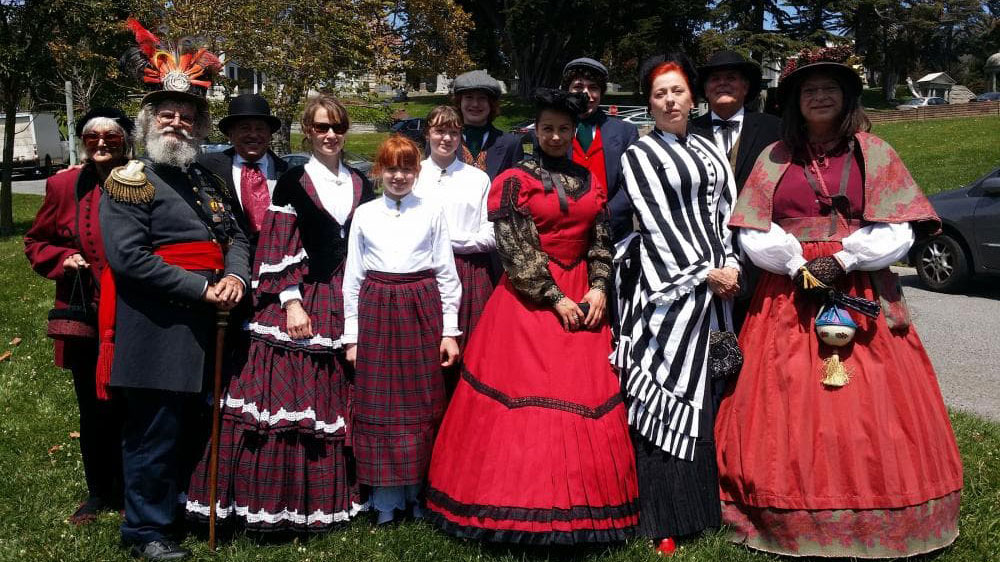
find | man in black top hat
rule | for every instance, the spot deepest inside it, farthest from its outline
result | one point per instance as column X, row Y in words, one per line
column 250, row 167
column 729, row 83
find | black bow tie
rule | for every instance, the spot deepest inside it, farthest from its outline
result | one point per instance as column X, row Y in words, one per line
column 724, row 124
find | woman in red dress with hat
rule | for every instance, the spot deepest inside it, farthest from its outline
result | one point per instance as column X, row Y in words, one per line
column 534, row 447
column 824, row 450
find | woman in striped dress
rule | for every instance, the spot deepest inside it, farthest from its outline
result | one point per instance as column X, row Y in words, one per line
column 676, row 278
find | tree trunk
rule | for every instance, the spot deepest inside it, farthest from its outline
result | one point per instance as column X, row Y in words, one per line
column 7, row 171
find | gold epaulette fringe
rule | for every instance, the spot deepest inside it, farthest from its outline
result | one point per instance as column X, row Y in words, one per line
column 128, row 184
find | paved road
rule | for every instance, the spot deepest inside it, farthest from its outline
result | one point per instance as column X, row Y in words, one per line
column 32, row 187
column 962, row 337
column 961, row 334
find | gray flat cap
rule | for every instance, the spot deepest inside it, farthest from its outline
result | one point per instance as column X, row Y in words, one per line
column 476, row 80
column 588, row 63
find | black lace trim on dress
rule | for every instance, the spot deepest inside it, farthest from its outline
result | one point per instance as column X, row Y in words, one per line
column 582, row 536
column 536, row 514
column 541, row 402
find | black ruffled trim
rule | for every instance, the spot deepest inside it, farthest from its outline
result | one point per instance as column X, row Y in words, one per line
column 540, row 402
column 508, row 513
column 527, row 538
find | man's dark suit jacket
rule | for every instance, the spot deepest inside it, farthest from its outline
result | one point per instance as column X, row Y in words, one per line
column 221, row 164
column 759, row 130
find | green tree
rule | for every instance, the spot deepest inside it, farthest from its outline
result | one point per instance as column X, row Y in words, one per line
column 36, row 36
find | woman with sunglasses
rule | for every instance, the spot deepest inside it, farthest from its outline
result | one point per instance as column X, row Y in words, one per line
column 64, row 244
column 281, row 461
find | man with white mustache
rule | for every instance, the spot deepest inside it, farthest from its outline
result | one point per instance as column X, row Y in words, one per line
column 178, row 256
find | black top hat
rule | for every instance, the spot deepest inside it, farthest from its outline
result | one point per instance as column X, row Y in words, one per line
column 650, row 64
column 731, row 60
column 833, row 60
column 249, row 106
column 111, row 113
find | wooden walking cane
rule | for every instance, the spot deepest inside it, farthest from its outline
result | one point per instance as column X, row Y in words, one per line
column 221, row 322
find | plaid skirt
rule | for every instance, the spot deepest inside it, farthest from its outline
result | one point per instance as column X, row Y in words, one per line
column 399, row 395
column 276, row 481
column 474, row 273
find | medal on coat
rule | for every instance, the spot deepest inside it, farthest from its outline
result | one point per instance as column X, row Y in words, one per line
column 835, row 328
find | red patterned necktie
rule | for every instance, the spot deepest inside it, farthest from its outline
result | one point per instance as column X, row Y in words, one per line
column 253, row 189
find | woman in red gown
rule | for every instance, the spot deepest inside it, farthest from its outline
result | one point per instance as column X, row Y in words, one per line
column 534, row 447
column 808, row 465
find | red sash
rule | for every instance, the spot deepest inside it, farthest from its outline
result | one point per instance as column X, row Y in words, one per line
column 188, row 255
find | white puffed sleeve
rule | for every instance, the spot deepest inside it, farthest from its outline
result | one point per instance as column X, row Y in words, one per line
column 875, row 247
column 775, row 250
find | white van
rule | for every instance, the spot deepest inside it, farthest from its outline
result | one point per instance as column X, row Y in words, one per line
column 38, row 144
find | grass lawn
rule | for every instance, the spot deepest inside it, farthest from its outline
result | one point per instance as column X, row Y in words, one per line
column 943, row 154
column 42, row 476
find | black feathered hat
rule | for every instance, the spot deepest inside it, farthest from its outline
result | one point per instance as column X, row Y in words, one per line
column 571, row 103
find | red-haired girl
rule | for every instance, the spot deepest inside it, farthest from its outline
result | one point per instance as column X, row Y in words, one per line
column 401, row 300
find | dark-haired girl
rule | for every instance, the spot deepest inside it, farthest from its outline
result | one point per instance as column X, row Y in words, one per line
column 534, row 447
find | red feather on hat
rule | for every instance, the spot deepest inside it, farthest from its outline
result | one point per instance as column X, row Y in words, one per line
column 148, row 43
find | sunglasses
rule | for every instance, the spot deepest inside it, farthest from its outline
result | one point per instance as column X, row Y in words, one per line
column 111, row 140
column 324, row 128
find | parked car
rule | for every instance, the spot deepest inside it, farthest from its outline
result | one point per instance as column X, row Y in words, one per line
column 526, row 129
column 987, row 96
column 208, row 148
column 412, row 128
column 640, row 119
column 969, row 242
column 921, row 102
column 356, row 161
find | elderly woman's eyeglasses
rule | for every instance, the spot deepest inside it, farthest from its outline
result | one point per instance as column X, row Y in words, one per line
column 111, row 140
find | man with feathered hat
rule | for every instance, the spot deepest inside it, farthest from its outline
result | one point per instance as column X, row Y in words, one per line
column 176, row 256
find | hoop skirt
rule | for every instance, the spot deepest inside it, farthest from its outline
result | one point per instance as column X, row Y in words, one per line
column 534, row 447
column 867, row 470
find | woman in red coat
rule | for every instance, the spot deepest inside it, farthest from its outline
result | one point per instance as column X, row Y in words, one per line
column 64, row 244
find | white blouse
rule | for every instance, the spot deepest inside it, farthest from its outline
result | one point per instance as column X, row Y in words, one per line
column 462, row 191
column 871, row 248
column 336, row 191
column 406, row 237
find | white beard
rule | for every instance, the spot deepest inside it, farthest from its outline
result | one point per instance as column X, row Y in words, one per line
column 171, row 151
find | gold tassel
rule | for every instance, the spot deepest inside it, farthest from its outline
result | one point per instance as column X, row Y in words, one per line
column 809, row 280
column 835, row 372
column 128, row 184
